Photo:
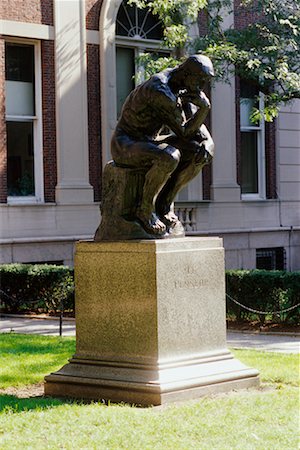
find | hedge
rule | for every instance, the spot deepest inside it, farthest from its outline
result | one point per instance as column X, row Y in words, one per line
column 42, row 287
column 263, row 290
column 38, row 287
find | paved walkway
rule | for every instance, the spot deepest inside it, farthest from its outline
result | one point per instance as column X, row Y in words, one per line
column 279, row 343
column 267, row 342
column 49, row 327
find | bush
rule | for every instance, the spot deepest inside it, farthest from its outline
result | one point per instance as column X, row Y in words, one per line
column 39, row 287
column 263, row 290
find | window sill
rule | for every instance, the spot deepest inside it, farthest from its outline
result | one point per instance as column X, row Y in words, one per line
column 253, row 198
column 24, row 201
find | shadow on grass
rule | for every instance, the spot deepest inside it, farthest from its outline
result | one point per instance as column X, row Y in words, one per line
column 13, row 404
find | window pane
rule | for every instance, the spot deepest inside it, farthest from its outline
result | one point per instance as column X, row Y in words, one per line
column 248, row 90
column 19, row 74
column 19, row 62
column 19, row 98
column 137, row 23
column 246, row 107
column 271, row 258
column 20, row 160
column 125, row 75
column 249, row 162
column 248, row 100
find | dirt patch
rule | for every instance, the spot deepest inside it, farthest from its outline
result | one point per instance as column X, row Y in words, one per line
column 33, row 390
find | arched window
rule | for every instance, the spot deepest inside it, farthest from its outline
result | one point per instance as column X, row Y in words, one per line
column 135, row 23
column 137, row 31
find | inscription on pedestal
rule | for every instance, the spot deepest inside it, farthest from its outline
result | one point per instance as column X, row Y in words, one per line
column 190, row 284
column 191, row 278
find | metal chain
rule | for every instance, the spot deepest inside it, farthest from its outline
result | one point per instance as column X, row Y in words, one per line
column 227, row 295
column 263, row 312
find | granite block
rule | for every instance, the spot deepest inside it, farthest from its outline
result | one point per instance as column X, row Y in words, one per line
column 150, row 323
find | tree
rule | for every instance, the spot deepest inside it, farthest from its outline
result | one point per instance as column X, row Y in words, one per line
column 265, row 51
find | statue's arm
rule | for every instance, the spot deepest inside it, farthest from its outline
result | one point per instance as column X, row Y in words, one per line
column 207, row 140
column 174, row 117
column 193, row 124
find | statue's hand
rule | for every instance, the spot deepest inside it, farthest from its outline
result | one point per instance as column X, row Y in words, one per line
column 198, row 99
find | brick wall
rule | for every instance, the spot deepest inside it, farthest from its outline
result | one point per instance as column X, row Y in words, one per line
column 271, row 160
column 243, row 16
column 202, row 22
column 34, row 11
column 93, row 8
column 49, row 126
column 94, row 118
column 3, row 154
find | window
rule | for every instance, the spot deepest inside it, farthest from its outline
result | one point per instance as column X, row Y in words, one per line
column 271, row 258
column 253, row 183
column 23, row 122
column 137, row 32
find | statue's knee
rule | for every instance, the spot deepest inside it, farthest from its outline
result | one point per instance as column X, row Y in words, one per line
column 176, row 155
column 172, row 158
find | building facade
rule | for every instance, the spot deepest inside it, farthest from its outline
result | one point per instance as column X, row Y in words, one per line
column 65, row 69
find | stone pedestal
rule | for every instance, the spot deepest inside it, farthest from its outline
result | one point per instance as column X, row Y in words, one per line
column 150, row 319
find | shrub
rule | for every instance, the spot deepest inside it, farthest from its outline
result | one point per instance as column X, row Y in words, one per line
column 39, row 287
column 263, row 290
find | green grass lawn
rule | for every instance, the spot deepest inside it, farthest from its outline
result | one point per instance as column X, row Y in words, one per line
column 26, row 359
column 267, row 418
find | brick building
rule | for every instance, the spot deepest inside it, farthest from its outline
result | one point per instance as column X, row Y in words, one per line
column 65, row 68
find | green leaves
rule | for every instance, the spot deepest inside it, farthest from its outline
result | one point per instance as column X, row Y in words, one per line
column 176, row 16
column 176, row 36
column 36, row 286
column 265, row 50
column 263, row 290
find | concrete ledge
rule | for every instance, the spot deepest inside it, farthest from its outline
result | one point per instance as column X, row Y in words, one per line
column 150, row 385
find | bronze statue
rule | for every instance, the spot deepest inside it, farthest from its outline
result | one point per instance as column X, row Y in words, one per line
column 161, row 130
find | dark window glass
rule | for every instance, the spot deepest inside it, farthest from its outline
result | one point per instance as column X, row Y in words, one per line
column 20, row 159
column 139, row 23
column 248, row 90
column 125, row 74
column 249, row 162
column 271, row 258
column 19, row 62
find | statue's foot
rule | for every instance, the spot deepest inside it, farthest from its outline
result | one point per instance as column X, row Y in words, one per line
column 173, row 224
column 151, row 224
column 170, row 219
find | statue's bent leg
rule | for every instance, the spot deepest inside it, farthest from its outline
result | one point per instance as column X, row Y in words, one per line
column 185, row 172
column 161, row 160
column 155, row 179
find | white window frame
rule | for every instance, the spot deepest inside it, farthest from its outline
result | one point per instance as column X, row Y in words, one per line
column 37, row 127
column 261, row 159
column 140, row 46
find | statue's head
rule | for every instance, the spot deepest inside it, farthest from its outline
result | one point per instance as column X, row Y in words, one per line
column 195, row 71
column 198, row 64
